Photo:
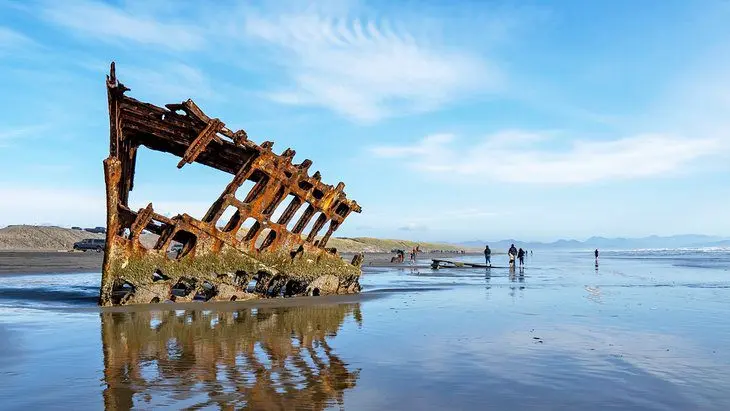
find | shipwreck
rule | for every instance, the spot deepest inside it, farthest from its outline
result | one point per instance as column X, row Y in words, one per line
column 208, row 259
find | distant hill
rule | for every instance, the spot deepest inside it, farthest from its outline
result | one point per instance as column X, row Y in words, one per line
column 46, row 238
column 676, row 241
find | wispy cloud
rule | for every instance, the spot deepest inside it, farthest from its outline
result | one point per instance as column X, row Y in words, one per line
column 8, row 135
column 104, row 22
column 511, row 156
column 365, row 69
column 413, row 227
column 170, row 82
column 423, row 148
column 11, row 39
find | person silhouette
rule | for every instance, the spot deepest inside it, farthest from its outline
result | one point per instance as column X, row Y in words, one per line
column 512, row 253
column 521, row 257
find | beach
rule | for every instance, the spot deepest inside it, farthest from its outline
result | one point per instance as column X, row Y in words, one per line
column 40, row 262
column 643, row 331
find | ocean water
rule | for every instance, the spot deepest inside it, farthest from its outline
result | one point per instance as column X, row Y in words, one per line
column 645, row 330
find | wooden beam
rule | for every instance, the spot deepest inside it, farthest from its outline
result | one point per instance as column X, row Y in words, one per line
column 201, row 142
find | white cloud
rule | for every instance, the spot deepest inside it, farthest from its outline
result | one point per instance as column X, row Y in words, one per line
column 108, row 23
column 365, row 69
column 512, row 156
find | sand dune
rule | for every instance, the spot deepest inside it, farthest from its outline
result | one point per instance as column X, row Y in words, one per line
column 41, row 238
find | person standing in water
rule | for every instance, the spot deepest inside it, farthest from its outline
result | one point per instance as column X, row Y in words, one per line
column 512, row 253
column 521, row 257
column 488, row 255
column 596, row 254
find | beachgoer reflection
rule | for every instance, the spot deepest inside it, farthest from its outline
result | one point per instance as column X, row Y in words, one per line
column 488, row 280
column 521, row 278
column 245, row 359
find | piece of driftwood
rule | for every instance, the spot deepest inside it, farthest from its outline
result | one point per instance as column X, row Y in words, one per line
column 436, row 263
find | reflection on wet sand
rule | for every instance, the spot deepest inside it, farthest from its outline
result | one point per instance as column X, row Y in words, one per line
column 273, row 358
column 520, row 276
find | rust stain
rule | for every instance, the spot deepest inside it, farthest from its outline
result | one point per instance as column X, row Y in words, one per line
column 210, row 259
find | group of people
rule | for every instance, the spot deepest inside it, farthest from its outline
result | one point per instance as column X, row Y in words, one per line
column 400, row 255
column 513, row 253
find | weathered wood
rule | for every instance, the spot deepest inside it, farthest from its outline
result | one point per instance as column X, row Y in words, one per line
column 201, row 142
column 140, row 223
column 459, row 264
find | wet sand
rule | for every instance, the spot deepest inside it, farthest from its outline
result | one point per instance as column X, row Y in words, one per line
column 640, row 332
column 299, row 301
column 39, row 262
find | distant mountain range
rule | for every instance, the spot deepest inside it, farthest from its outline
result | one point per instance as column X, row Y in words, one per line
column 675, row 241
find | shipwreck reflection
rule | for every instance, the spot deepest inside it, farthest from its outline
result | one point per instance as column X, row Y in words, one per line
column 266, row 358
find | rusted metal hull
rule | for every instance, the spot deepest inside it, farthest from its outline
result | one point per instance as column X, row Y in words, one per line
column 217, row 260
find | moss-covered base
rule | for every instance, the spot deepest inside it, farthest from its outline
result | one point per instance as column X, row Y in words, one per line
column 137, row 276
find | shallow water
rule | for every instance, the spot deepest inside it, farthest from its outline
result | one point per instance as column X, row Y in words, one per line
column 644, row 331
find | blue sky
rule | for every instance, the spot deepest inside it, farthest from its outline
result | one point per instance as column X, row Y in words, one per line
column 447, row 120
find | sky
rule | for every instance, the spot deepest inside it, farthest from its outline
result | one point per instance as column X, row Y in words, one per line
column 448, row 121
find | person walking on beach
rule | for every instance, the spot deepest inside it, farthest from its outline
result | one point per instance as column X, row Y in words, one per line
column 488, row 255
column 596, row 254
column 521, row 257
column 512, row 253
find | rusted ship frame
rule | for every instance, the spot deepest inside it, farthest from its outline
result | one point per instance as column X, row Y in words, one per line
column 218, row 260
